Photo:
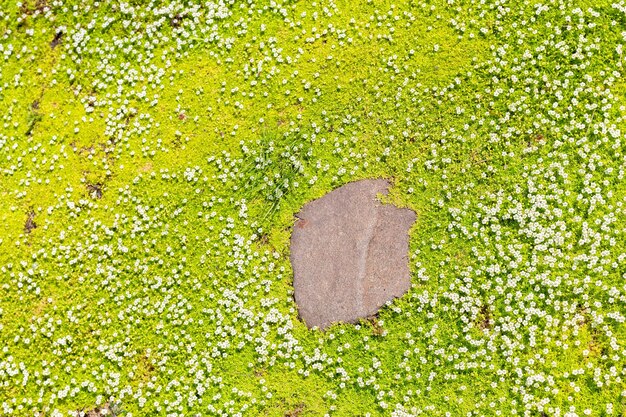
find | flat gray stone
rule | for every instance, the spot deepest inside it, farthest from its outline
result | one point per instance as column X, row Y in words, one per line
column 349, row 254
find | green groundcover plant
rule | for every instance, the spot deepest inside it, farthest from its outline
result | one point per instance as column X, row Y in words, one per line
column 153, row 154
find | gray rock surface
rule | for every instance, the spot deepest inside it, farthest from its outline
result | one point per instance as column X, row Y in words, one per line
column 349, row 254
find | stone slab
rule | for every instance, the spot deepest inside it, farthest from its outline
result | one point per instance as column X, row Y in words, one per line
column 349, row 254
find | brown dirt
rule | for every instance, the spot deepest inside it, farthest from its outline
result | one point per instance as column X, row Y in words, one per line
column 105, row 410
column 95, row 190
column 377, row 329
column 56, row 40
column 296, row 412
column 485, row 321
column 30, row 224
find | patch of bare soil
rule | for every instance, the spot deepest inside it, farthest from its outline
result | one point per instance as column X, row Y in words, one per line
column 30, row 224
column 108, row 409
column 95, row 190
column 296, row 412
column 56, row 40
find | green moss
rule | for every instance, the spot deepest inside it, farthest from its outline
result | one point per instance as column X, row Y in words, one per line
column 159, row 268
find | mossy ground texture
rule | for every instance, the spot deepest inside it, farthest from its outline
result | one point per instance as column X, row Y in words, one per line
column 152, row 156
